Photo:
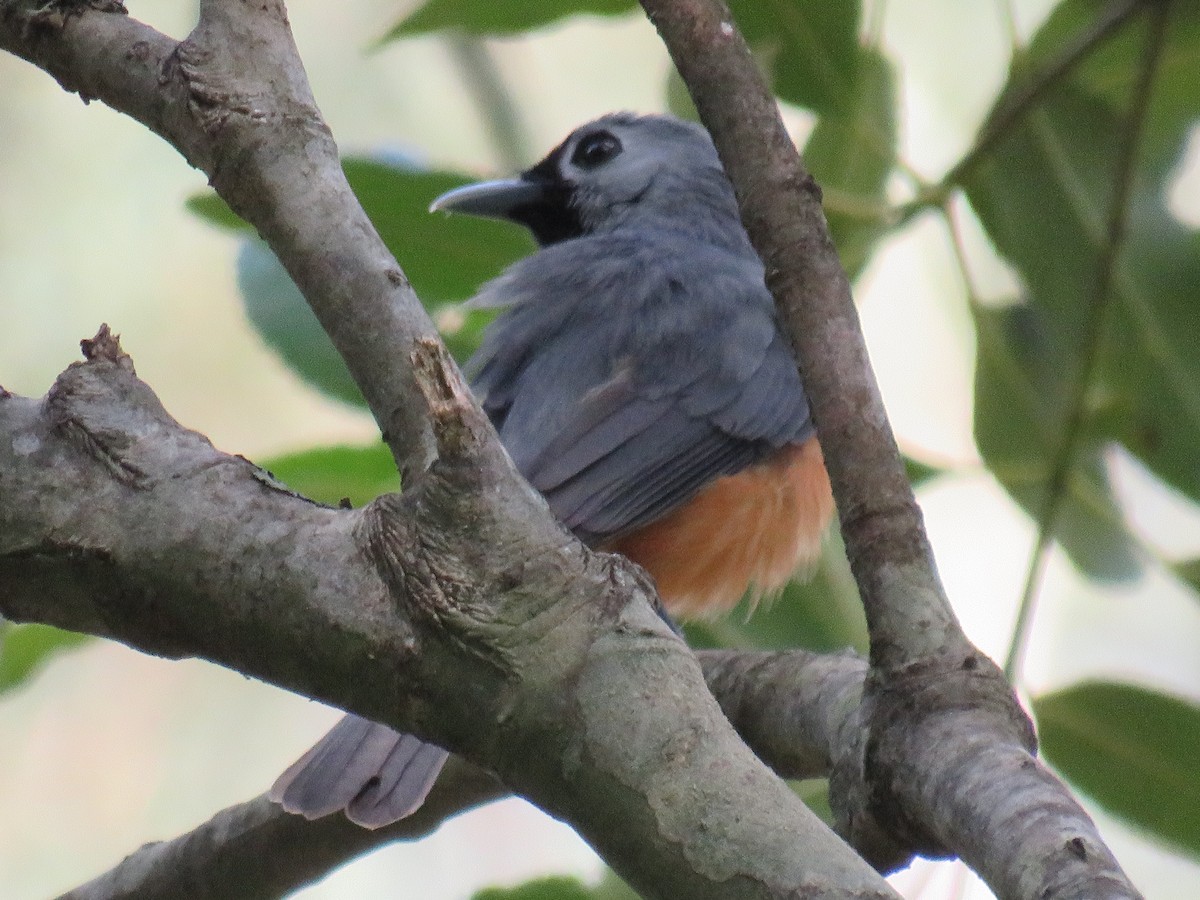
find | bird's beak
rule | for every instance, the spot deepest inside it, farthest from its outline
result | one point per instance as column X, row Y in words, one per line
column 491, row 199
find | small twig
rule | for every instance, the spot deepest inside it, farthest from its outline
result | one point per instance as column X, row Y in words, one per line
column 1008, row 17
column 1014, row 107
column 1093, row 330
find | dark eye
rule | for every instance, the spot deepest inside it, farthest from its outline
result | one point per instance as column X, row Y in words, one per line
column 595, row 149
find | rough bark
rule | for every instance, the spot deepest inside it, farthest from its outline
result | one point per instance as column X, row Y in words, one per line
column 460, row 611
column 237, row 853
column 932, row 702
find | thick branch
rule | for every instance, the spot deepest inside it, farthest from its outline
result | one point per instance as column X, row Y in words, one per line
column 514, row 647
column 796, row 733
column 925, row 675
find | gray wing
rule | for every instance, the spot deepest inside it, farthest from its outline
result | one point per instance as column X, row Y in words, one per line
column 377, row 775
column 626, row 378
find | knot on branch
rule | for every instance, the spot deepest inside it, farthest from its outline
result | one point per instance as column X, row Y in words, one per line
column 106, row 346
column 940, row 708
column 425, row 572
column 240, row 64
column 102, row 407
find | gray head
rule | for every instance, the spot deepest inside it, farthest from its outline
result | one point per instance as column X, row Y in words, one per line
column 621, row 169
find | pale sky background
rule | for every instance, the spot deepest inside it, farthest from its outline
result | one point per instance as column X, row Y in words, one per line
column 107, row 748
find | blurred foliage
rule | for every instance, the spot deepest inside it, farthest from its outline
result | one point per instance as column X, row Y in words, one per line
column 26, row 648
column 553, row 888
column 1047, row 179
column 1044, row 192
column 1133, row 750
column 445, row 257
column 335, row 475
column 851, row 153
column 1021, row 395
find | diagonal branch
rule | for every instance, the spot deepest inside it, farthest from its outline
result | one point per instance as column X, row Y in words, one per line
column 237, row 853
column 796, row 732
column 885, row 536
column 431, row 612
column 939, row 715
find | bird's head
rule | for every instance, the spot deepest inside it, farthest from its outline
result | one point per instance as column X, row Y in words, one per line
column 619, row 169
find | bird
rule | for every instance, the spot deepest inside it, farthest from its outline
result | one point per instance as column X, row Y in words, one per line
column 638, row 377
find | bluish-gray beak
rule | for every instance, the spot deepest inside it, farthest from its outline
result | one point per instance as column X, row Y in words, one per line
column 491, row 199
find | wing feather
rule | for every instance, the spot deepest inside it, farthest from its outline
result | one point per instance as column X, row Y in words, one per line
column 622, row 391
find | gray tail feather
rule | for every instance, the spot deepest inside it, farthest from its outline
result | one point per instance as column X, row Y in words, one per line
column 378, row 776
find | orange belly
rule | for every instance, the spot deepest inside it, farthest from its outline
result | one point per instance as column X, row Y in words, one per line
column 745, row 532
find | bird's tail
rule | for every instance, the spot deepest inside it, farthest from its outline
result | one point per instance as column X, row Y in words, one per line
column 376, row 775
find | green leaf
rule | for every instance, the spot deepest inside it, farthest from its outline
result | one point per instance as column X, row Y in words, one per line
column 1189, row 573
column 331, row 474
column 445, row 257
column 1020, row 400
column 851, row 153
column 815, row 794
column 613, row 887
column 812, row 46
column 1133, row 750
column 552, row 888
column 26, row 648
column 679, row 101
column 490, row 17
column 821, row 613
column 1111, row 70
column 919, row 472
column 1044, row 194
column 280, row 314
column 215, row 211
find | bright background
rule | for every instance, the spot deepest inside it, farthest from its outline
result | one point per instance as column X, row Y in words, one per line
column 108, row 748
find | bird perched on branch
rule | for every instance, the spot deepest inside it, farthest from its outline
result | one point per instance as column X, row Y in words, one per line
column 639, row 379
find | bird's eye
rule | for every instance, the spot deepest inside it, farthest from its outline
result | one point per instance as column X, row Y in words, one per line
column 595, row 149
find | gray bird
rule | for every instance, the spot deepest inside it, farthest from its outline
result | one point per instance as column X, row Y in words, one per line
column 638, row 377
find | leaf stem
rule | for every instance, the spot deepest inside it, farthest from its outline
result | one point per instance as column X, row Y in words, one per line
column 1012, row 108
column 1109, row 252
column 493, row 101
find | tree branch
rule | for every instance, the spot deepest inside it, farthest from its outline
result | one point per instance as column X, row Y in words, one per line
column 513, row 646
column 920, row 743
column 461, row 611
column 242, row 849
column 256, row 850
column 233, row 99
